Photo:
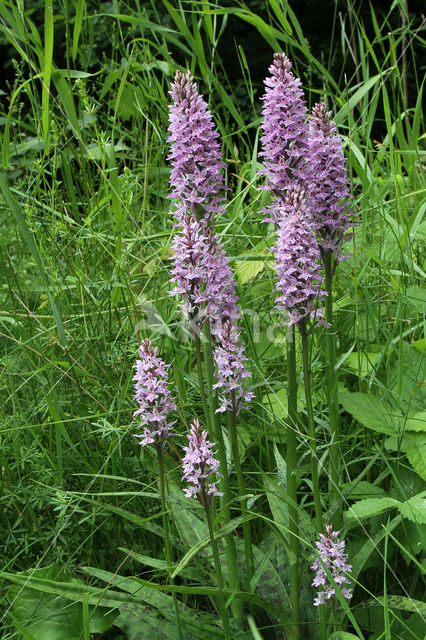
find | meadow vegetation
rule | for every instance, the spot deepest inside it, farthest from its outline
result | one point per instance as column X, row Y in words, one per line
column 86, row 247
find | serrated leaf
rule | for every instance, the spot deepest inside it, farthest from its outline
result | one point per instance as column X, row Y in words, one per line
column 363, row 489
column 416, row 421
column 370, row 507
column 415, row 450
column 371, row 412
column 415, row 508
column 248, row 267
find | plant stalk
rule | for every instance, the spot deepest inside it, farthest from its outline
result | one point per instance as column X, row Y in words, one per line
column 333, row 412
column 248, row 548
column 219, row 577
column 167, row 546
column 225, row 508
column 291, row 477
column 311, row 428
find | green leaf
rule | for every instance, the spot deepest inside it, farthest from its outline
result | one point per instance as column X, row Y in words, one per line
column 32, row 246
column 137, row 626
column 414, row 445
column 361, row 363
column 416, row 422
column 47, row 616
column 371, row 412
column 343, row 635
column 248, row 266
column 202, row 544
column 399, row 602
column 415, row 508
column 77, row 27
column 370, row 507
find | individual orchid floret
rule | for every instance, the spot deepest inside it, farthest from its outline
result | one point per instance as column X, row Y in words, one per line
column 284, row 133
column 231, row 371
column 331, row 552
column 330, row 188
column 297, row 261
column 153, row 396
column 199, row 464
column 196, row 178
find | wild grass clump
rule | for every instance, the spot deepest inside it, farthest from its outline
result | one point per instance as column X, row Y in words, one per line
column 212, row 323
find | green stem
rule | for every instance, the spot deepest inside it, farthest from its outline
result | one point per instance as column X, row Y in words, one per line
column 207, row 413
column 225, row 504
column 248, row 548
column 314, row 457
column 167, row 546
column 291, row 477
column 311, row 429
column 219, row 577
column 333, row 412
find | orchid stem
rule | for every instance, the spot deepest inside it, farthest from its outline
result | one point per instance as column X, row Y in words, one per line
column 225, row 510
column 291, row 477
column 248, row 548
column 332, row 396
column 311, row 428
column 167, row 546
column 219, row 577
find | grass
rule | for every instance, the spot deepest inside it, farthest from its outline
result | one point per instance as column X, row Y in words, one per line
column 85, row 248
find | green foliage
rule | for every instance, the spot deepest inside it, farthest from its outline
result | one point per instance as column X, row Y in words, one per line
column 85, row 243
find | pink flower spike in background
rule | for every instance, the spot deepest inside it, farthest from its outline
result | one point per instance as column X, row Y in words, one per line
column 198, row 465
column 329, row 190
column 332, row 555
column 196, row 178
column 152, row 395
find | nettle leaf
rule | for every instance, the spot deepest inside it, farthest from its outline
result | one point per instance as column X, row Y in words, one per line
column 416, row 421
column 415, row 508
column 417, row 454
column 370, row 507
column 414, row 446
column 248, row 267
column 370, row 411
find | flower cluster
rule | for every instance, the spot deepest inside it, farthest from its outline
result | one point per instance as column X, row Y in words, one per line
column 284, row 133
column 198, row 465
column 330, row 190
column 231, row 372
column 201, row 269
column 190, row 266
column 196, row 177
column 332, row 555
column 221, row 296
column 297, row 260
column 152, row 395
